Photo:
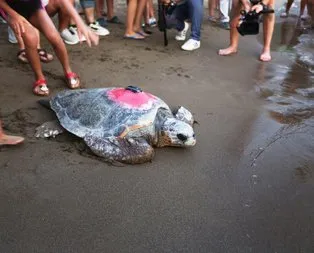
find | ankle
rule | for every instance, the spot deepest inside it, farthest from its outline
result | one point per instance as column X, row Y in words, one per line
column 266, row 50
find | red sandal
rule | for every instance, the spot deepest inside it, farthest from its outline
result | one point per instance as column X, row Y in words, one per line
column 73, row 80
column 40, row 88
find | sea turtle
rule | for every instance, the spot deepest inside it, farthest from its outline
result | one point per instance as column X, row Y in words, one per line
column 119, row 124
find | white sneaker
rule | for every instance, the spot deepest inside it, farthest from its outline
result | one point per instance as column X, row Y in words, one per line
column 284, row 15
column 191, row 45
column 182, row 35
column 304, row 17
column 69, row 36
column 73, row 29
column 99, row 30
column 152, row 22
column 11, row 36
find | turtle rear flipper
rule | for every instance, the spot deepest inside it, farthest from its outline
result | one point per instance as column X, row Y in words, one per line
column 123, row 150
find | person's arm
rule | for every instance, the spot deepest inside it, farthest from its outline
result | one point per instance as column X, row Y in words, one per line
column 91, row 38
column 262, row 5
column 16, row 21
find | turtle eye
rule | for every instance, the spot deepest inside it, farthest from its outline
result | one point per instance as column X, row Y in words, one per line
column 182, row 137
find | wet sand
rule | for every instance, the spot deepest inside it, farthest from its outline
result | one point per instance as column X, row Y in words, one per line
column 247, row 186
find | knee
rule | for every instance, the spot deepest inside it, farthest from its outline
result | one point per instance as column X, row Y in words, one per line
column 30, row 37
column 234, row 22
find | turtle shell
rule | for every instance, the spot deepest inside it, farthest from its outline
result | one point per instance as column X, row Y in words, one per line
column 106, row 112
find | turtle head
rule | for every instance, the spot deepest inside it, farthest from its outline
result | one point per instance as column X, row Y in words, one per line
column 175, row 132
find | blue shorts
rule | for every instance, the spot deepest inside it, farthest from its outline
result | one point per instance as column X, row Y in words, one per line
column 87, row 4
column 25, row 8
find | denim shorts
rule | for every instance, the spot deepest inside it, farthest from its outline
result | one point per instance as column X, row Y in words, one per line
column 87, row 4
column 25, row 8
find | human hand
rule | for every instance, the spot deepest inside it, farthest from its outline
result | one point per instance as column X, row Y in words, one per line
column 165, row 2
column 257, row 8
column 91, row 37
column 18, row 23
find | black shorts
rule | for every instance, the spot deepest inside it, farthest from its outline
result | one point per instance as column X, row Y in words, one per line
column 25, row 8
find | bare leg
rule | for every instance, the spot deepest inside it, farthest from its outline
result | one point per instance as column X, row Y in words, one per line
column 99, row 8
column 130, row 18
column 268, row 29
column 42, row 21
column 31, row 41
column 234, row 35
column 302, row 6
column 139, row 14
column 151, row 9
column 89, row 15
column 54, row 7
column 109, row 9
column 288, row 6
column 146, row 13
column 211, row 7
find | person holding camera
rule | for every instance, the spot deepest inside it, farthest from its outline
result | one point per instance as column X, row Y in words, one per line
column 268, row 26
column 188, row 9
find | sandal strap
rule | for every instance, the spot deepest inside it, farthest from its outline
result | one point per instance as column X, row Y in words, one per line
column 21, row 52
column 42, row 52
column 40, row 82
column 71, row 75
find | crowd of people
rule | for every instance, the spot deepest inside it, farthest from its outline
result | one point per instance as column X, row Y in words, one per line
column 28, row 18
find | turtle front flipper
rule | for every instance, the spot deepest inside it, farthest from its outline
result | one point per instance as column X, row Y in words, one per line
column 124, row 150
column 185, row 115
column 49, row 129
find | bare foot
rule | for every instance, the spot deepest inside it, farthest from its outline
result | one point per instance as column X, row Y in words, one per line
column 10, row 140
column 265, row 56
column 227, row 51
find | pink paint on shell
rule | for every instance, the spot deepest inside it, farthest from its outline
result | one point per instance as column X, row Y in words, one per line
column 131, row 99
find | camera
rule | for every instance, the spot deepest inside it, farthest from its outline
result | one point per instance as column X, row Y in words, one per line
column 249, row 22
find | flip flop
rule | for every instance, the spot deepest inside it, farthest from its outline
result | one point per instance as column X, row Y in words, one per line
column 135, row 36
column 144, row 34
column 114, row 20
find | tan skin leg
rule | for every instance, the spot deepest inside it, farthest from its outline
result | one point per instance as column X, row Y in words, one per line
column 234, row 35
column 138, row 17
column 268, row 29
column 288, row 6
column 22, row 56
column 53, row 8
column 99, row 7
column 89, row 15
column 31, row 40
column 212, row 4
column 302, row 6
column 109, row 9
column 130, row 18
column 42, row 21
